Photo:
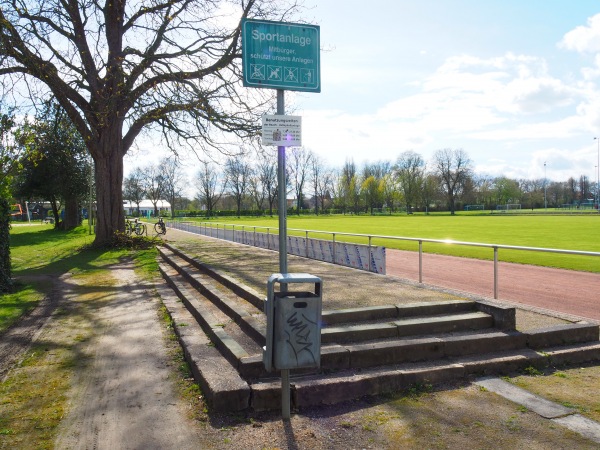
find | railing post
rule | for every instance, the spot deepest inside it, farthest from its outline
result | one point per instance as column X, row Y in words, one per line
column 421, row 262
column 254, row 238
column 306, row 244
column 268, row 238
column 496, row 273
column 369, row 253
column 334, row 261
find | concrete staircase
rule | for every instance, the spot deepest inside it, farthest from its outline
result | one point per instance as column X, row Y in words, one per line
column 365, row 351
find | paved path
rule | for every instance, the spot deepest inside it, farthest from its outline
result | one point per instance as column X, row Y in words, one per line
column 125, row 397
column 565, row 291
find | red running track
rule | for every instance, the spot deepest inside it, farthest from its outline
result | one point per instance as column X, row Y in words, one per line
column 565, row 291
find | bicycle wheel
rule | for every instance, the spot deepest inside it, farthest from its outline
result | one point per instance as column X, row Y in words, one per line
column 127, row 228
column 140, row 229
column 160, row 228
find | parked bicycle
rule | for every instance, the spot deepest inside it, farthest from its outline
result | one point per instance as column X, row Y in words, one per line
column 160, row 226
column 135, row 227
column 128, row 227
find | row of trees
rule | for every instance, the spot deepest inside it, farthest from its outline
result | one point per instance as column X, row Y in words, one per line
column 447, row 182
column 45, row 159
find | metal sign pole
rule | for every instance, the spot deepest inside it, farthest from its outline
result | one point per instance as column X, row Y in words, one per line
column 282, row 195
column 285, row 373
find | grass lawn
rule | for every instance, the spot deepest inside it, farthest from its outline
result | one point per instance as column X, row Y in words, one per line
column 568, row 232
column 40, row 250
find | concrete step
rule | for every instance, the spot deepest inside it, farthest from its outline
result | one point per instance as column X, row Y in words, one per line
column 407, row 327
column 443, row 324
column 389, row 312
column 220, row 381
column 239, row 288
column 227, row 337
column 245, row 314
column 312, row 390
column 401, row 350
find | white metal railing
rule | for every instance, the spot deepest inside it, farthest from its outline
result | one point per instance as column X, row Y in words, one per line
column 370, row 237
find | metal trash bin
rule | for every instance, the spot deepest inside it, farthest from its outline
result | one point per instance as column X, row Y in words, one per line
column 293, row 339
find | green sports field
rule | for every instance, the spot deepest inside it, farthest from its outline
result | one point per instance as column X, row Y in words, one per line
column 568, row 232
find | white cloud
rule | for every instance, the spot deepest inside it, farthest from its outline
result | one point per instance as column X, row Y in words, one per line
column 583, row 39
column 512, row 102
column 468, row 95
column 590, row 73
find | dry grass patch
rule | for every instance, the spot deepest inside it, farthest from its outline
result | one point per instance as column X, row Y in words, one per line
column 574, row 388
column 34, row 394
column 465, row 417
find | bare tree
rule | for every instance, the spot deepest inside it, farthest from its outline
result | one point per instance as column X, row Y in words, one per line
column 299, row 166
column 173, row 180
column 431, row 189
column 325, row 187
column 210, row 186
column 119, row 68
column 453, row 167
column 348, row 189
column 237, row 175
column 410, row 173
column 266, row 170
column 257, row 189
column 584, row 188
column 152, row 183
column 133, row 188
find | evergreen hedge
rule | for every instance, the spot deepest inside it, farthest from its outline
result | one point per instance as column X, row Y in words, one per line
column 5, row 272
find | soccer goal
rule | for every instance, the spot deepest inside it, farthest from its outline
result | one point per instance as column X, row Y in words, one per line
column 508, row 207
column 473, row 207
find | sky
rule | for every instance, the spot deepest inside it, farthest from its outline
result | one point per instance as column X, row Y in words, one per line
column 513, row 83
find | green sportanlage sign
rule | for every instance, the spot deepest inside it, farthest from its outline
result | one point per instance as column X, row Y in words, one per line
column 281, row 55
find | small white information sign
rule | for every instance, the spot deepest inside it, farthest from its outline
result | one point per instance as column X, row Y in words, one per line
column 283, row 131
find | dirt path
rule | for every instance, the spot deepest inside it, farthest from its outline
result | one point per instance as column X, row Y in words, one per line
column 125, row 398
column 565, row 291
column 18, row 337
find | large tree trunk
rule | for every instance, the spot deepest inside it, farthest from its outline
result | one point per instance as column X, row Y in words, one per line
column 172, row 207
column 55, row 212
column 109, row 186
column 71, row 219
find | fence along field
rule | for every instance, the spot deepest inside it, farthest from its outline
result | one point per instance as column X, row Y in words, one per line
column 571, row 232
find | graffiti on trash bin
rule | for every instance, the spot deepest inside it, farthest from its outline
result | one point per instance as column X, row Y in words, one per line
column 299, row 337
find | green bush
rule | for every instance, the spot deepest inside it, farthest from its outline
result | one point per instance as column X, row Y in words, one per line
column 5, row 270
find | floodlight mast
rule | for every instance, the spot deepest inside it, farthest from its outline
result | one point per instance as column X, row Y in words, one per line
column 545, row 203
column 598, row 178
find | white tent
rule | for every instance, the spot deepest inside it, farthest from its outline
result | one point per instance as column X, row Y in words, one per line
column 146, row 207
